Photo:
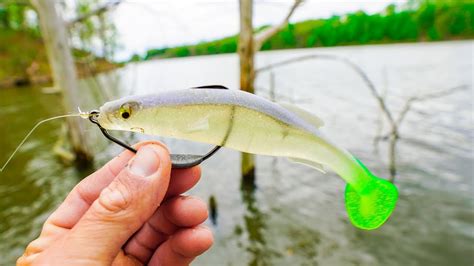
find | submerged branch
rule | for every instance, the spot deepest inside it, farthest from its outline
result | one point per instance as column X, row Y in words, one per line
column 427, row 96
column 393, row 134
column 380, row 118
column 353, row 66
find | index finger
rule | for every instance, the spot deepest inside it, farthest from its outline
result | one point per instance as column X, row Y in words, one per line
column 88, row 190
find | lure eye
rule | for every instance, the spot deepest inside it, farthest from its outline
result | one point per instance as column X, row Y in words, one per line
column 125, row 111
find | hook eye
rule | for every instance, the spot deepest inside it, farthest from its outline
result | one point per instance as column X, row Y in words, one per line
column 93, row 117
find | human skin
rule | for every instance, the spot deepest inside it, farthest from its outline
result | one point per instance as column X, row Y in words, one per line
column 129, row 212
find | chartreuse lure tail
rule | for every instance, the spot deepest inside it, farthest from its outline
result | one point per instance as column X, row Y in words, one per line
column 370, row 202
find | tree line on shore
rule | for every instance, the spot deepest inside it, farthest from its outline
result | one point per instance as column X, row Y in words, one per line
column 23, row 58
column 425, row 21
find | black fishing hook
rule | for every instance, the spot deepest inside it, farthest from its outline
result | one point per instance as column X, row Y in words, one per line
column 178, row 161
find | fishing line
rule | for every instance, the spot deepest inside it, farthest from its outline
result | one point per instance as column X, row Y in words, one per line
column 80, row 114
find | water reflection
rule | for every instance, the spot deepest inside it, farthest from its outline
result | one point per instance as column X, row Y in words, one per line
column 261, row 249
column 273, row 237
column 254, row 221
column 213, row 210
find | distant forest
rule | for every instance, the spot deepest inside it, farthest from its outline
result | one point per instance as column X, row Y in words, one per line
column 23, row 57
column 427, row 21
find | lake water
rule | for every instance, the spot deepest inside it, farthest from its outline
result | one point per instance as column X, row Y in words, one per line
column 296, row 216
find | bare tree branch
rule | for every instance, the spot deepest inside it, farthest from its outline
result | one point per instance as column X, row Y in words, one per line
column 393, row 135
column 380, row 116
column 352, row 65
column 439, row 93
column 428, row 96
column 261, row 37
column 98, row 11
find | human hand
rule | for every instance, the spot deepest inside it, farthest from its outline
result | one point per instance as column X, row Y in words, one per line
column 130, row 212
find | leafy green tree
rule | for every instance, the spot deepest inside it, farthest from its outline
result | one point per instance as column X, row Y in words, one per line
column 419, row 20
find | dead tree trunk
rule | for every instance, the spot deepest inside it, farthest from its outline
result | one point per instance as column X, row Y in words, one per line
column 54, row 33
column 248, row 46
column 246, row 49
column 247, row 75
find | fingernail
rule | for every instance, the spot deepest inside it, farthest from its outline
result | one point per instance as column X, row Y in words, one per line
column 146, row 162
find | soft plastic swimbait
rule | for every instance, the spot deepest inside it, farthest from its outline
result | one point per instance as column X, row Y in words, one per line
column 248, row 123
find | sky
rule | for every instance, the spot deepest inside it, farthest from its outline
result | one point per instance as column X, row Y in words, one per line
column 146, row 24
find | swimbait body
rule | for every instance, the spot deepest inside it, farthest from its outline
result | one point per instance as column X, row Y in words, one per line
column 248, row 123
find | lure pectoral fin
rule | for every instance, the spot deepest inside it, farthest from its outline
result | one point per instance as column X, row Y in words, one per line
column 308, row 117
column 311, row 164
column 370, row 208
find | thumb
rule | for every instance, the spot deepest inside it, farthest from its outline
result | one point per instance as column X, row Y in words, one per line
column 124, row 206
